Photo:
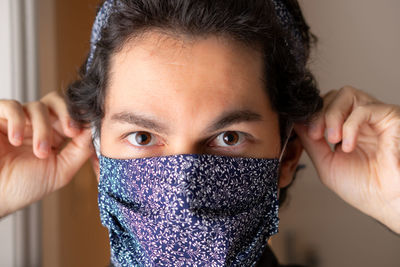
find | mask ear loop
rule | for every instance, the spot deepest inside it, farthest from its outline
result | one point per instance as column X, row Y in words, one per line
column 286, row 141
column 96, row 141
column 281, row 155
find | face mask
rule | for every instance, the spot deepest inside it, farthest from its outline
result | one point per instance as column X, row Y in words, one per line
column 188, row 209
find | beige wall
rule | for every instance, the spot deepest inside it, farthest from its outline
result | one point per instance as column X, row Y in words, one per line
column 71, row 231
column 7, row 224
column 359, row 45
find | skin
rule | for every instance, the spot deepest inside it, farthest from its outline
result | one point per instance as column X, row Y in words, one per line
column 173, row 81
column 187, row 85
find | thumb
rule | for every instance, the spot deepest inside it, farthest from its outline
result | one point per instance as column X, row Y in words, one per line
column 72, row 157
column 319, row 151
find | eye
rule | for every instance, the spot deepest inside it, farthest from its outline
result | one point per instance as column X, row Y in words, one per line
column 141, row 139
column 229, row 138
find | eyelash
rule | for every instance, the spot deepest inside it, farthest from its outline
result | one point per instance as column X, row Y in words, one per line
column 138, row 147
column 247, row 137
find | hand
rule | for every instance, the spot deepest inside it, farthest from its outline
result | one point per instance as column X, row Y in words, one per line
column 35, row 159
column 364, row 168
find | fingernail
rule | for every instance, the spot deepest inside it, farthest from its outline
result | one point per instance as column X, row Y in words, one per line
column 346, row 142
column 17, row 137
column 331, row 132
column 44, row 146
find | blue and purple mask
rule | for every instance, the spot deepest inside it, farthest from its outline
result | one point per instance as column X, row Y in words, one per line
column 188, row 209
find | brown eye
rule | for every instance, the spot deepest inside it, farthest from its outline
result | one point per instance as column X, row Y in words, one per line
column 230, row 138
column 143, row 138
column 140, row 138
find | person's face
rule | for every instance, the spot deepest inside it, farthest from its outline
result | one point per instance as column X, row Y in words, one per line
column 171, row 96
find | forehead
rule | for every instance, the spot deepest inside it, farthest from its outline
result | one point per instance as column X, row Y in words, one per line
column 164, row 74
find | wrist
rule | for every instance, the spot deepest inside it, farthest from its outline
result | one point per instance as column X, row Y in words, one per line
column 391, row 217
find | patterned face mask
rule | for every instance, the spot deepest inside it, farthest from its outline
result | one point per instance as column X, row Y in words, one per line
column 188, row 209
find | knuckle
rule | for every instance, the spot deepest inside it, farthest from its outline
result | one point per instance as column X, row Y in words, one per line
column 394, row 113
column 329, row 93
column 397, row 111
column 50, row 96
column 361, row 109
column 29, row 105
column 348, row 87
column 61, row 107
column 38, row 105
column 39, row 113
column 397, row 123
column 348, row 90
column 13, row 104
column 394, row 118
column 332, row 111
column 331, row 116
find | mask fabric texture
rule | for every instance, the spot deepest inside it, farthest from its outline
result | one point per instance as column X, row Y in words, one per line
column 188, row 209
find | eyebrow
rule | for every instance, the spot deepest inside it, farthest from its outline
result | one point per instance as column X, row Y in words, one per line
column 140, row 120
column 233, row 117
column 224, row 120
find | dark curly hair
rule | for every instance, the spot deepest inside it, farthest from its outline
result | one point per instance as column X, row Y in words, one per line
column 291, row 87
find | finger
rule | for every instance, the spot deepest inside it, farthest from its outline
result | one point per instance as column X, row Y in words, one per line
column 58, row 107
column 58, row 134
column 336, row 112
column 339, row 109
column 12, row 111
column 41, row 127
column 3, row 126
column 377, row 115
column 319, row 151
column 57, row 139
column 72, row 157
column 317, row 126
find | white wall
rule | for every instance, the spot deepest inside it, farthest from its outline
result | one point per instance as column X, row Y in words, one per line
column 359, row 45
column 5, row 49
column 7, row 243
column 19, row 232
